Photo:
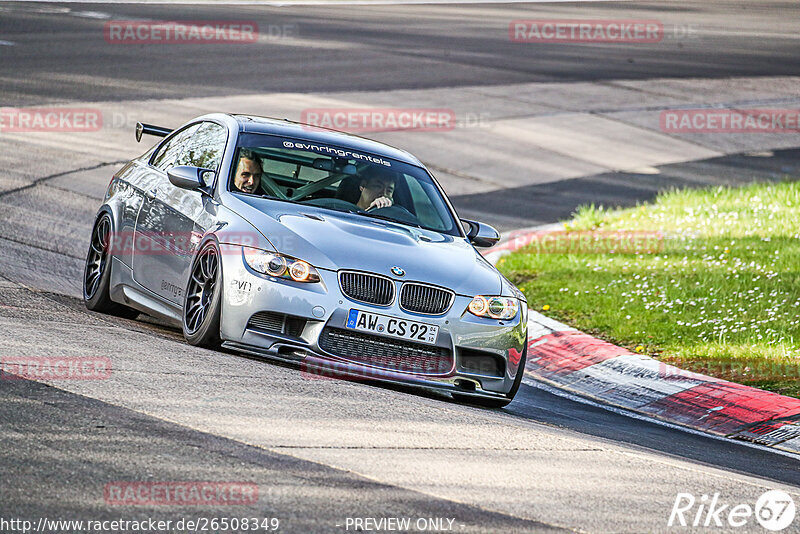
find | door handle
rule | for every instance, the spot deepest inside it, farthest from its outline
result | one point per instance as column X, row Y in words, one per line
column 151, row 194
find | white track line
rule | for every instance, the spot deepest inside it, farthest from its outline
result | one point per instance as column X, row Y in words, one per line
column 530, row 381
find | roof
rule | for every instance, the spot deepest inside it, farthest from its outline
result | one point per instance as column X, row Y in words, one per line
column 316, row 134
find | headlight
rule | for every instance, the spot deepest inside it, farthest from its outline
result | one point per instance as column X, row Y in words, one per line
column 494, row 307
column 280, row 266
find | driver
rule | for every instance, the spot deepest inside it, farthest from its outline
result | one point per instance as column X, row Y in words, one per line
column 248, row 172
column 377, row 189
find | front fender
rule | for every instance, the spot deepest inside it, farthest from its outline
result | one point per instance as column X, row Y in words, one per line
column 232, row 229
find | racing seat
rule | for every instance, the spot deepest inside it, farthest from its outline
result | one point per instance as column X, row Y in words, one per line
column 348, row 189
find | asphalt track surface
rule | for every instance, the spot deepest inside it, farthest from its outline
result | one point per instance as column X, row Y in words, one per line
column 362, row 48
column 322, row 451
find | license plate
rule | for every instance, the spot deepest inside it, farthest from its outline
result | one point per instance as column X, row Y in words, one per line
column 392, row 327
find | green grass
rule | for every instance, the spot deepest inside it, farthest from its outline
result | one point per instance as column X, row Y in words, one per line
column 722, row 296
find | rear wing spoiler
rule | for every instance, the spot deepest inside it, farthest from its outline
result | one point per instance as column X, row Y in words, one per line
column 149, row 129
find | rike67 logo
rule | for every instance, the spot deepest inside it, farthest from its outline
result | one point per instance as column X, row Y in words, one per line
column 774, row 510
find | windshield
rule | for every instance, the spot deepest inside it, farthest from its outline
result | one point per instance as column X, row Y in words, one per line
column 338, row 179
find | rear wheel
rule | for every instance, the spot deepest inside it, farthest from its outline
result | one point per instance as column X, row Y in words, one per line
column 501, row 402
column 97, row 272
column 201, row 309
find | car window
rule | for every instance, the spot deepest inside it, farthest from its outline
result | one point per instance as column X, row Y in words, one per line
column 278, row 168
column 168, row 153
column 428, row 206
column 342, row 180
column 292, row 165
column 205, row 148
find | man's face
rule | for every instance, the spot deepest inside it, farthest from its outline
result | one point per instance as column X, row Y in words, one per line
column 374, row 188
column 248, row 176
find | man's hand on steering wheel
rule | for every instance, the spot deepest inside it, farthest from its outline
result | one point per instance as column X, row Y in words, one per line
column 380, row 202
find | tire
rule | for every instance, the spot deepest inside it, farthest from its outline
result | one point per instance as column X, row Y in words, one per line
column 201, row 308
column 97, row 273
column 486, row 402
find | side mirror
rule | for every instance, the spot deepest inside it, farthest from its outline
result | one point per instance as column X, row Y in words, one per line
column 191, row 178
column 480, row 234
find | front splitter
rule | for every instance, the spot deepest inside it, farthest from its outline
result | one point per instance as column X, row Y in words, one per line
column 320, row 367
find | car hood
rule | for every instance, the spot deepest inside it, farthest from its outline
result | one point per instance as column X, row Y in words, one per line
column 335, row 240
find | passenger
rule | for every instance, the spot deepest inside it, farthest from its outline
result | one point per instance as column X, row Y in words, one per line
column 248, row 172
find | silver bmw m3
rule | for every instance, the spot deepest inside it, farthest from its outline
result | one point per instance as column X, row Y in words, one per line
column 297, row 243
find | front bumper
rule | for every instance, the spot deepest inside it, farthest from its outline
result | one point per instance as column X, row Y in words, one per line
column 320, row 306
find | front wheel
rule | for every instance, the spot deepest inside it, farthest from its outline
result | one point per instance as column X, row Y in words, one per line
column 97, row 272
column 503, row 402
column 201, row 309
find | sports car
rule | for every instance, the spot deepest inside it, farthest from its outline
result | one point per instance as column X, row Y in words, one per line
column 288, row 241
